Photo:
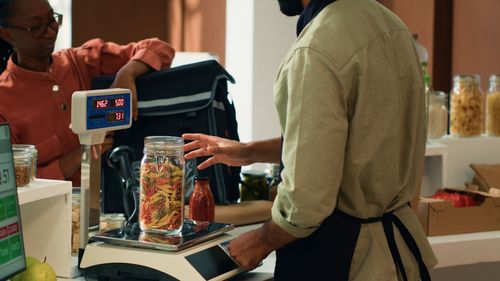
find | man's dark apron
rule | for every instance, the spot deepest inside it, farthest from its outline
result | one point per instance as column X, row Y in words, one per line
column 327, row 253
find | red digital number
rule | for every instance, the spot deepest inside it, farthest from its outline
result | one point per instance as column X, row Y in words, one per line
column 101, row 104
column 119, row 102
column 119, row 116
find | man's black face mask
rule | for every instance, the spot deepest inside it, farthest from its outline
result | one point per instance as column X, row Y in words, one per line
column 291, row 7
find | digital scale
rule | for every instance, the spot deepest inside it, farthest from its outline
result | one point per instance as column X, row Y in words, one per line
column 198, row 253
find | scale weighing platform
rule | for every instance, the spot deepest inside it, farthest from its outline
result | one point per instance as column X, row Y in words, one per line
column 199, row 253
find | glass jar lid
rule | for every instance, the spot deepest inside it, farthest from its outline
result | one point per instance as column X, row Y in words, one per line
column 466, row 78
column 167, row 145
column 495, row 78
column 253, row 173
column 438, row 96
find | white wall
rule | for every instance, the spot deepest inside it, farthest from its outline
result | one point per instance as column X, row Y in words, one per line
column 257, row 38
column 64, row 36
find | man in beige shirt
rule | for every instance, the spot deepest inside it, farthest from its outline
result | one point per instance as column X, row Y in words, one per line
column 350, row 100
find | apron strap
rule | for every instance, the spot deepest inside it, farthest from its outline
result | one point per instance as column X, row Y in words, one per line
column 412, row 245
column 387, row 220
column 391, row 241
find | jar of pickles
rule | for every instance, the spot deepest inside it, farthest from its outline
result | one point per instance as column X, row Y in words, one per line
column 161, row 200
column 253, row 186
column 493, row 107
column 466, row 107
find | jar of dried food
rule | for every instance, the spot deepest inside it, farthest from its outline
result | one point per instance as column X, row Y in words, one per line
column 75, row 221
column 161, row 202
column 111, row 221
column 23, row 159
column 438, row 115
column 467, row 106
column 493, row 107
column 34, row 153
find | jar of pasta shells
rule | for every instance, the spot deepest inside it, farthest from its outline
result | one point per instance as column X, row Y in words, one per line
column 493, row 107
column 161, row 200
column 466, row 107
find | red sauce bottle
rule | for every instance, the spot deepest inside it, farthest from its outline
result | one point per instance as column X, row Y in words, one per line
column 201, row 202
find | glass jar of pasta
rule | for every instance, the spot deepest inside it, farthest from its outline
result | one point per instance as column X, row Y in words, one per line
column 161, row 200
column 466, row 107
column 493, row 107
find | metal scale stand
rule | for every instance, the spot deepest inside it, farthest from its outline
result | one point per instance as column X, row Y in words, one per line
column 199, row 253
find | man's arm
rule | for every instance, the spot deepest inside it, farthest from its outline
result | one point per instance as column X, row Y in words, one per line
column 231, row 152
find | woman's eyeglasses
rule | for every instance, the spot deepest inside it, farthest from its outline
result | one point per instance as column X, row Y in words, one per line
column 39, row 31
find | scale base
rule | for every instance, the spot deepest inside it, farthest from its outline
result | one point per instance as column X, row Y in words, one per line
column 207, row 261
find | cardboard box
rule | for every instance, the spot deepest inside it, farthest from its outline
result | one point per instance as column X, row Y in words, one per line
column 439, row 217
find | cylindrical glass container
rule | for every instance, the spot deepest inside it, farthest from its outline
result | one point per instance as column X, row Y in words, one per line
column 23, row 160
column 161, row 202
column 201, row 202
column 253, row 186
column 75, row 222
column 111, row 221
column 467, row 107
column 273, row 180
column 493, row 107
column 34, row 156
column 438, row 115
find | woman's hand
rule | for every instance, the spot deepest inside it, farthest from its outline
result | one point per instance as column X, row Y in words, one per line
column 225, row 151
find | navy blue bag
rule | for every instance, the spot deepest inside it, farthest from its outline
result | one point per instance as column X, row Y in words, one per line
column 187, row 98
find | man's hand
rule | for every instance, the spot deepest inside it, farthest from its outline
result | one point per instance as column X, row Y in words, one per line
column 249, row 249
column 252, row 247
column 225, row 151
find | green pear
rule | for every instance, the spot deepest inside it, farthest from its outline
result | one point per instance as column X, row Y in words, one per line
column 40, row 272
column 29, row 262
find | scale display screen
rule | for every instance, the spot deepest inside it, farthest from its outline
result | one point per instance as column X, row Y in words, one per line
column 212, row 262
column 12, row 259
column 108, row 111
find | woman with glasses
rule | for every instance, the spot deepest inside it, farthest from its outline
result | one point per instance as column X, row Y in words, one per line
column 37, row 84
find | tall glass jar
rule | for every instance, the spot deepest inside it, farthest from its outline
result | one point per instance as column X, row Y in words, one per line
column 493, row 107
column 467, row 106
column 161, row 202
column 438, row 115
